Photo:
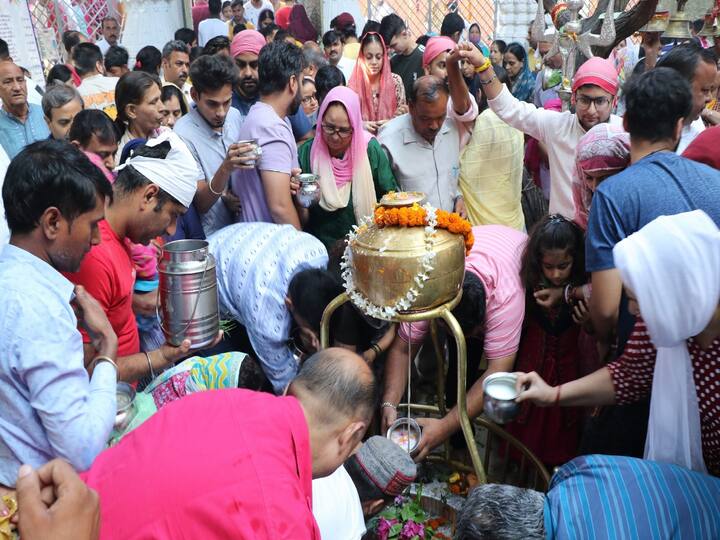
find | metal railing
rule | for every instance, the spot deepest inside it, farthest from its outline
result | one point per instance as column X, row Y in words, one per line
column 423, row 16
column 52, row 17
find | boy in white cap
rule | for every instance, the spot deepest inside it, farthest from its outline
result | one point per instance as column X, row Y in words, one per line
column 155, row 186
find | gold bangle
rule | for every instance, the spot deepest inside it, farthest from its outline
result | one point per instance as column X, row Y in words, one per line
column 103, row 358
column 484, row 66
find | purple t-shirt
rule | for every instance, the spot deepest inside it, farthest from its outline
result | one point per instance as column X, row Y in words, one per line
column 279, row 154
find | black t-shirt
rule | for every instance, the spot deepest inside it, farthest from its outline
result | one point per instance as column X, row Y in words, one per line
column 408, row 67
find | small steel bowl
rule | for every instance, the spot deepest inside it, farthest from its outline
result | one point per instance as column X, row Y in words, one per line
column 500, row 393
column 309, row 192
column 126, row 409
column 398, row 430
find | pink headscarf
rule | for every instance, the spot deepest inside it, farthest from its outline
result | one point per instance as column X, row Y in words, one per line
column 605, row 149
column 360, row 82
column 247, row 41
column 436, row 46
column 353, row 167
column 598, row 72
column 342, row 167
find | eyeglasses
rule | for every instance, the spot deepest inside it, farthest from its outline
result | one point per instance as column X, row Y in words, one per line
column 308, row 99
column 341, row 132
column 585, row 101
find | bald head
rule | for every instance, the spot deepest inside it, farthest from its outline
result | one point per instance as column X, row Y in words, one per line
column 428, row 106
column 429, row 88
column 340, row 385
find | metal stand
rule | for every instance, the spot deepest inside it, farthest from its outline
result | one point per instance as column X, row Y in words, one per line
column 441, row 312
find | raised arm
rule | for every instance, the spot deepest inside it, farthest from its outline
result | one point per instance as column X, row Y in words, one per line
column 518, row 114
column 458, row 88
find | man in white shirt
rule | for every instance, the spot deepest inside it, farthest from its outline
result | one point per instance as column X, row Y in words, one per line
column 333, row 49
column 213, row 26
column 377, row 473
column 111, row 34
column 594, row 88
column 424, row 145
column 97, row 91
column 697, row 66
column 253, row 8
column 176, row 66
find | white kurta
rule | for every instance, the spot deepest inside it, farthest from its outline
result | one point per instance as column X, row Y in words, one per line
column 560, row 131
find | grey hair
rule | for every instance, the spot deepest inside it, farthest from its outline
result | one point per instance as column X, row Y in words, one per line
column 175, row 46
column 58, row 95
column 428, row 88
column 314, row 58
column 501, row 512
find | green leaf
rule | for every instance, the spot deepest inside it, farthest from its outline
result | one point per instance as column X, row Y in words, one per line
column 395, row 529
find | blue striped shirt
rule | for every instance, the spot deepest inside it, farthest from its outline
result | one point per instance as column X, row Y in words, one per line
column 614, row 497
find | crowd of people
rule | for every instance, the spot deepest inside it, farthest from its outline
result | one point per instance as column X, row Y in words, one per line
column 595, row 275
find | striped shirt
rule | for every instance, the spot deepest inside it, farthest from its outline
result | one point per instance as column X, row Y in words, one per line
column 614, row 497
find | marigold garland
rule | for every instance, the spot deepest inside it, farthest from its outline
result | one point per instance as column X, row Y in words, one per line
column 416, row 216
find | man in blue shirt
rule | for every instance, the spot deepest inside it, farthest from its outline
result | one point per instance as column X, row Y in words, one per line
column 658, row 182
column 599, row 497
column 21, row 123
column 54, row 198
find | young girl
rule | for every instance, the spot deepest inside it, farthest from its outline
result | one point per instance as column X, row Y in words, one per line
column 552, row 264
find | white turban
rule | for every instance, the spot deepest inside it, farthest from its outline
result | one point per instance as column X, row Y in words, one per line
column 673, row 267
column 177, row 174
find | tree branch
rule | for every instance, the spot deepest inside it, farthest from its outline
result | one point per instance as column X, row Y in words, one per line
column 626, row 24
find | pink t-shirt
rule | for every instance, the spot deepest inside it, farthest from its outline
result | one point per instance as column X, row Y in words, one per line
column 212, row 465
column 495, row 259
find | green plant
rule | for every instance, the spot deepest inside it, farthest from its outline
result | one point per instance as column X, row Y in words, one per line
column 404, row 519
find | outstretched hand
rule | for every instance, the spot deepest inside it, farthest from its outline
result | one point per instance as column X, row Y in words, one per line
column 531, row 387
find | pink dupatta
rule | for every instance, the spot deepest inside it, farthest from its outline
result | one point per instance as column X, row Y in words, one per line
column 360, row 82
column 352, row 172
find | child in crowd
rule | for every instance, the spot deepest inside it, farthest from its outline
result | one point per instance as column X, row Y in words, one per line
column 553, row 263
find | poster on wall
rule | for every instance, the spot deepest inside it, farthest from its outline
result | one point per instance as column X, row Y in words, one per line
column 17, row 30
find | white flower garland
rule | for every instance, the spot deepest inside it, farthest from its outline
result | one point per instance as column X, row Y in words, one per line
column 408, row 299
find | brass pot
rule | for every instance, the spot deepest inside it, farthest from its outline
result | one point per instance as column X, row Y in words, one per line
column 385, row 262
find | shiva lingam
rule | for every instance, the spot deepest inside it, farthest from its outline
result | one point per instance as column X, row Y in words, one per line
column 406, row 263
column 569, row 38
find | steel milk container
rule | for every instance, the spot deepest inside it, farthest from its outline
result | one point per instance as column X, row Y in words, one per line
column 188, row 293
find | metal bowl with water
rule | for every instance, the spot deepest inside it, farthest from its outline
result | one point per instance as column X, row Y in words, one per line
column 500, row 393
column 126, row 409
column 255, row 153
column 309, row 192
column 406, row 433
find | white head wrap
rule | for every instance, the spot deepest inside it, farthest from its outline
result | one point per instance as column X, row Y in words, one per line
column 673, row 267
column 177, row 174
